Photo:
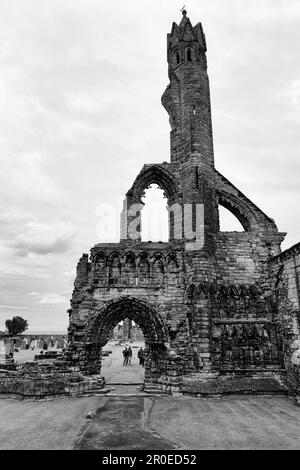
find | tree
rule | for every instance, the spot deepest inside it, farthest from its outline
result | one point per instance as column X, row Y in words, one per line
column 16, row 326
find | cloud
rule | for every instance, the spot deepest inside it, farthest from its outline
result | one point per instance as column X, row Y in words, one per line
column 16, row 307
column 50, row 299
column 71, row 274
column 22, row 233
column 295, row 92
column 80, row 88
column 42, row 239
column 83, row 102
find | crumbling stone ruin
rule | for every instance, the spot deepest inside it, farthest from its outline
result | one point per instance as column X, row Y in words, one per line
column 212, row 305
column 127, row 331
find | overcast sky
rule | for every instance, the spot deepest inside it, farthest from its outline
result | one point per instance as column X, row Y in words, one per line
column 80, row 88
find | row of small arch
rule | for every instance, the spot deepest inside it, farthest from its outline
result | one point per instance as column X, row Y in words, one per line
column 230, row 291
column 136, row 260
column 188, row 55
column 259, row 329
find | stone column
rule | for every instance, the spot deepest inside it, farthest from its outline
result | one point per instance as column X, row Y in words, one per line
column 2, row 352
column 127, row 329
column 9, row 351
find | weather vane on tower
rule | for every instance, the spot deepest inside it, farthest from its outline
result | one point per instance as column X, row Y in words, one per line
column 183, row 10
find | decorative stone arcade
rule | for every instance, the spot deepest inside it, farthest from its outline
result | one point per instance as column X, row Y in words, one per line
column 207, row 305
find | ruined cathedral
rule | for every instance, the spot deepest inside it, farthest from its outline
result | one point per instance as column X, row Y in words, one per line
column 212, row 305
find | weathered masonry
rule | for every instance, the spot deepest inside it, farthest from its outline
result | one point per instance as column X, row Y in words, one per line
column 213, row 306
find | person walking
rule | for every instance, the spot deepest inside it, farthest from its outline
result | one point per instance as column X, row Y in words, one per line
column 125, row 355
column 129, row 355
column 141, row 356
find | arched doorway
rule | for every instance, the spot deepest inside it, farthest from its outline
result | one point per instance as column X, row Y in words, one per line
column 101, row 325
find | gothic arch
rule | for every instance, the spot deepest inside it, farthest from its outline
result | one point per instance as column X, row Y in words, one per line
column 129, row 269
column 129, row 257
column 114, row 268
column 158, row 269
column 100, row 255
column 172, row 269
column 154, row 174
column 100, row 268
column 188, row 54
column 191, row 293
column 112, row 312
column 158, row 256
column 113, row 255
column 249, row 215
column 238, row 209
column 143, row 268
column 142, row 257
column 176, row 256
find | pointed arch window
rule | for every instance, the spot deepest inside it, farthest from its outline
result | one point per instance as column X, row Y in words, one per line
column 155, row 216
column 157, row 272
column 191, row 294
column 144, row 271
column 100, row 269
column 129, row 270
column 189, row 55
column 114, row 269
column 177, row 58
column 172, row 271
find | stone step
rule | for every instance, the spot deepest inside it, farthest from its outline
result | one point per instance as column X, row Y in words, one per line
column 100, row 391
column 140, row 394
column 226, row 385
column 153, row 391
column 126, row 391
column 124, row 383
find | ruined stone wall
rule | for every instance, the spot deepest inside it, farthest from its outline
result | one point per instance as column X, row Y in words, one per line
column 203, row 306
column 285, row 279
column 121, row 333
column 231, row 314
column 217, row 311
column 34, row 379
column 228, row 322
column 154, row 275
column 242, row 258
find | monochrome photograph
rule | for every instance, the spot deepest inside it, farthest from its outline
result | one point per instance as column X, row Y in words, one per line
column 149, row 228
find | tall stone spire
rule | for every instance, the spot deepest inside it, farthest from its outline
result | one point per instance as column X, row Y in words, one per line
column 187, row 97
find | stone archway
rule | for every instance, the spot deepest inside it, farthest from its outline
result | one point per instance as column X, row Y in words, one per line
column 154, row 174
column 133, row 204
column 101, row 324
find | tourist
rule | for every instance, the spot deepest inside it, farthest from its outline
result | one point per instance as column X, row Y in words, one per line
column 125, row 355
column 129, row 355
column 141, row 356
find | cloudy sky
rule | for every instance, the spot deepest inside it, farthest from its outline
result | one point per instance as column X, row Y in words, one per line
column 80, row 88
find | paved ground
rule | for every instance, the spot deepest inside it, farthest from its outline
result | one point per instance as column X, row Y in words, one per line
column 189, row 423
column 150, row 423
column 229, row 423
column 28, row 354
column 120, row 423
column 57, row 424
column 115, row 372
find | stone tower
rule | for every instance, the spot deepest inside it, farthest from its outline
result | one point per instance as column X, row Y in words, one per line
column 203, row 300
column 187, row 98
